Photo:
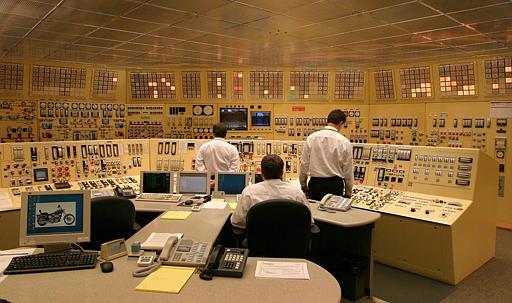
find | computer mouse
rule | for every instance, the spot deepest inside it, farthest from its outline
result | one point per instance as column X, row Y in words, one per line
column 106, row 266
column 188, row 202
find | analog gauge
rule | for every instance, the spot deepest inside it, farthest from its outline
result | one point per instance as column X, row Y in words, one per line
column 88, row 106
column 103, row 106
column 351, row 113
column 50, row 105
column 74, row 105
column 358, row 114
column 197, row 110
column 95, row 106
column 121, row 107
column 65, row 105
column 81, row 105
column 109, row 106
column 57, row 105
column 42, row 104
column 208, row 110
column 116, row 106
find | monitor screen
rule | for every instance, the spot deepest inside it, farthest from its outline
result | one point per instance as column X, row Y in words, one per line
column 257, row 178
column 231, row 183
column 55, row 217
column 260, row 119
column 234, row 118
column 156, row 182
column 193, row 183
column 40, row 174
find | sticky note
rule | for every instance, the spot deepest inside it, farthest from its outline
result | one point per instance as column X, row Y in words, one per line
column 166, row 279
column 233, row 205
column 176, row 214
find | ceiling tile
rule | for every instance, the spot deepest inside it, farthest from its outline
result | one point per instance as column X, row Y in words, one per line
column 82, row 48
column 427, row 24
column 193, row 6
column 472, row 39
column 7, row 42
column 14, row 20
column 277, row 6
column 120, row 52
column 157, row 14
column 178, row 33
column 202, row 47
column 450, row 33
column 205, row 24
column 219, row 40
column 482, row 46
column 97, row 42
column 13, row 31
column 403, row 12
column 452, row 6
column 320, row 11
column 362, row 35
column 494, row 25
column 79, row 17
column 25, row 8
column 278, row 23
column 368, row 5
column 137, row 47
column 156, row 41
column 113, row 7
column 65, row 28
column 244, row 31
column 238, row 13
column 131, row 25
column 52, row 36
column 405, row 39
column 113, row 34
column 484, row 14
column 501, row 36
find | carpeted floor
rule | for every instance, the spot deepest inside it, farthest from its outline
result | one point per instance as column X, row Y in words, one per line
column 490, row 284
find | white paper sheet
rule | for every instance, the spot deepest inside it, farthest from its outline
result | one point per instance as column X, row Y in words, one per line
column 5, row 200
column 282, row 270
column 156, row 241
column 214, row 205
column 7, row 255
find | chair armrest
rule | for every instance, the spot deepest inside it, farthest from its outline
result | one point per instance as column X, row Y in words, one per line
column 314, row 229
column 238, row 231
column 136, row 227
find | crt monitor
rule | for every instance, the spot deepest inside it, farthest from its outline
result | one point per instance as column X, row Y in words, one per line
column 55, row 218
column 193, row 183
column 260, row 119
column 258, row 177
column 156, row 182
column 231, row 183
column 234, row 118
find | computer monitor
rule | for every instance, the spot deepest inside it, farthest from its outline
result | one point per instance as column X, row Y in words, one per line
column 260, row 119
column 193, row 183
column 258, row 177
column 157, row 182
column 55, row 218
column 233, row 118
column 231, row 183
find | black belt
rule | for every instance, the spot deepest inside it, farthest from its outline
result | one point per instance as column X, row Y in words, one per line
column 327, row 178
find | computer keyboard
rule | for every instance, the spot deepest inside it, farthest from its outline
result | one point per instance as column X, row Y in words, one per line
column 51, row 262
column 155, row 197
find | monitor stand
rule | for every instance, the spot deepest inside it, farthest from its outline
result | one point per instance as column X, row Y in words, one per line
column 50, row 248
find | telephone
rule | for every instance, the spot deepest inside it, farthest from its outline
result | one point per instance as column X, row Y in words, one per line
column 227, row 262
column 331, row 201
column 125, row 191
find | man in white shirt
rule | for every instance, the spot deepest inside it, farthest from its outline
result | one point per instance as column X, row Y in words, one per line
column 327, row 159
column 272, row 187
column 218, row 155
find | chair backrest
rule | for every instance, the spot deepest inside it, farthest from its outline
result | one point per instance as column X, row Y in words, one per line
column 279, row 228
column 111, row 218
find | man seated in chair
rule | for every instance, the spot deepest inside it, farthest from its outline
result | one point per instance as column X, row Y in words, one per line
column 272, row 187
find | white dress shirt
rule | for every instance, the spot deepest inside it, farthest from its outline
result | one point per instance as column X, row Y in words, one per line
column 265, row 190
column 327, row 153
column 218, row 155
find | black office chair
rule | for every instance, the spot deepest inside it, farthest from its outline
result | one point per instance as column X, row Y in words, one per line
column 279, row 228
column 111, row 218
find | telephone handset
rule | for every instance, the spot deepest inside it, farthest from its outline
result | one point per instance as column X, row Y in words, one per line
column 331, row 201
column 227, row 262
column 125, row 191
column 166, row 251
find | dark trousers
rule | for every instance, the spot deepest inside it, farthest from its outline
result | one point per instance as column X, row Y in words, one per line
column 319, row 187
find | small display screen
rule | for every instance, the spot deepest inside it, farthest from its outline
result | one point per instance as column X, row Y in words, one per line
column 40, row 174
column 159, row 183
column 194, row 183
column 55, row 214
column 260, row 119
column 231, row 184
column 257, row 178
column 234, row 118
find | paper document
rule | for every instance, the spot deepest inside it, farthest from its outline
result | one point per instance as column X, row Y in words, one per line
column 156, row 241
column 214, row 205
column 7, row 255
column 166, row 279
column 217, row 200
column 5, row 200
column 176, row 214
column 233, row 205
column 282, row 270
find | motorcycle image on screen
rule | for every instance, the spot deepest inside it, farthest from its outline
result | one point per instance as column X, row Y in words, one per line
column 52, row 218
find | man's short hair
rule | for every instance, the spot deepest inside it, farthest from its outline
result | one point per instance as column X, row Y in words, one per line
column 336, row 116
column 220, row 130
column 272, row 167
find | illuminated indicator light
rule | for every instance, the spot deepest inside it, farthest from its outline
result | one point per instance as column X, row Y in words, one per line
column 508, row 68
column 448, row 88
column 422, row 85
column 265, row 92
column 219, row 96
column 167, row 83
column 429, row 94
column 472, row 87
column 442, row 79
column 173, row 87
column 150, row 83
column 155, row 92
column 162, row 80
column 448, row 79
column 306, row 96
column 240, row 75
column 427, row 84
column 413, row 95
column 465, row 87
column 508, row 80
column 471, row 92
column 114, row 79
column 292, row 87
column 219, row 79
column 219, row 84
column 495, row 86
column 454, row 83
column 429, row 89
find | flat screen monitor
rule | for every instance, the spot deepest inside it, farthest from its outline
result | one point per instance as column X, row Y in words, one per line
column 193, row 183
column 40, row 174
column 156, row 182
column 261, row 119
column 53, row 218
column 231, row 183
column 234, row 118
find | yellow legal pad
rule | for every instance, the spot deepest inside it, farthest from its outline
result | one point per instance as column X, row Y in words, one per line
column 166, row 279
column 233, row 205
column 176, row 214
